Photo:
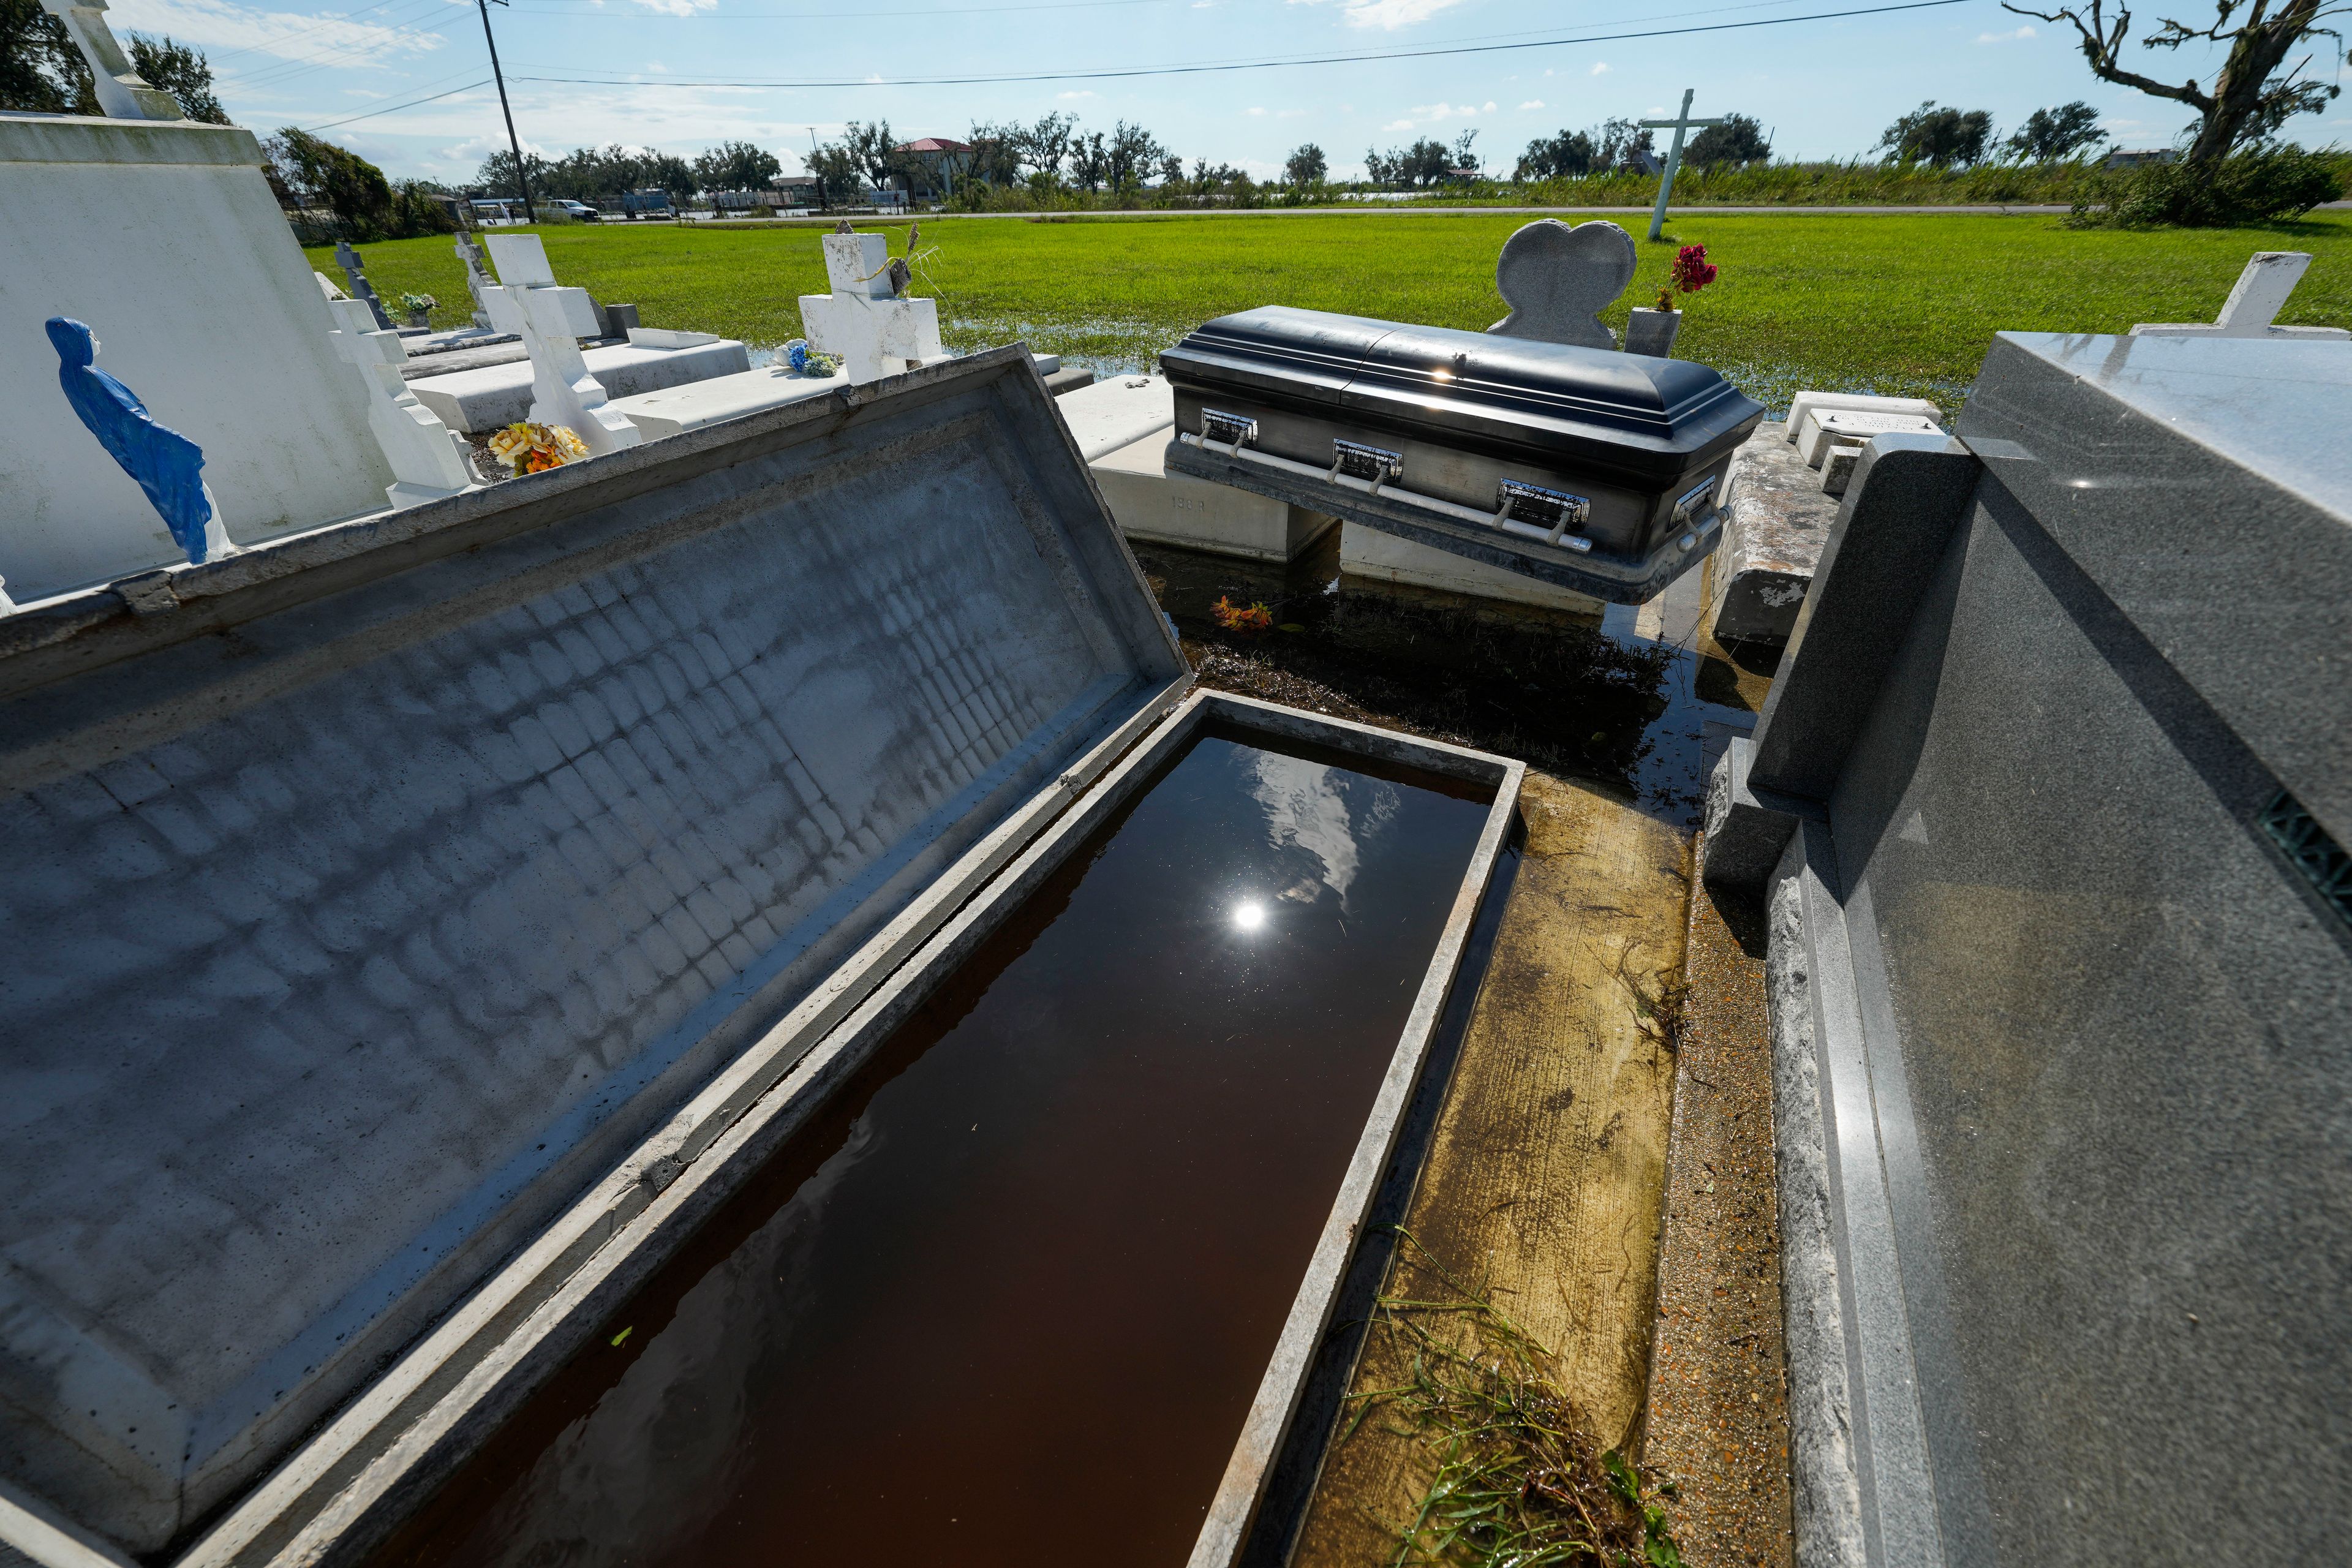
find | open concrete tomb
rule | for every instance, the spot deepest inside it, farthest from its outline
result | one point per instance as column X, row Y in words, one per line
column 547, row 945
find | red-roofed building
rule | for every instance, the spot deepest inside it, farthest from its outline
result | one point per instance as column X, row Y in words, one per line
column 933, row 164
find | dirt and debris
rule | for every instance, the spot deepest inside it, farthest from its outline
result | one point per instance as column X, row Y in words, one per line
column 1717, row 1415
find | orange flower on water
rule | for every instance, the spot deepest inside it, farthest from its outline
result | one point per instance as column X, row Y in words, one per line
column 1235, row 618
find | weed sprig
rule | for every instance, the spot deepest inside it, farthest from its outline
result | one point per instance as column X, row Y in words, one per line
column 1519, row 1482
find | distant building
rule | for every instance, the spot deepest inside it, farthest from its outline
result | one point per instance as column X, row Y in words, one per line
column 799, row 190
column 2120, row 158
column 931, row 165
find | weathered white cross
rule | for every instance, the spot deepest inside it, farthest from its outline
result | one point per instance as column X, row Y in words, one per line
column 1679, row 125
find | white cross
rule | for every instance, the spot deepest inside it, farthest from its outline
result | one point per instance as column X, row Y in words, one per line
column 2261, row 291
column 424, row 454
column 1679, row 125
column 551, row 321
column 863, row 320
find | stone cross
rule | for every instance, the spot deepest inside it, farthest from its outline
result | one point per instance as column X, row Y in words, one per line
column 123, row 94
column 2261, row 294
column 548, row 318
column 1680, row 123
column 477, row 276
column 427, row 457
column 863, row 320
column 1557, row 280
column 354, row 270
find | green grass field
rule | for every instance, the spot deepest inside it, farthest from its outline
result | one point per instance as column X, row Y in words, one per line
column 1903, row 305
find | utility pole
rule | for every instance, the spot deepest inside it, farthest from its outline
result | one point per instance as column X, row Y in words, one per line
column 521, row 177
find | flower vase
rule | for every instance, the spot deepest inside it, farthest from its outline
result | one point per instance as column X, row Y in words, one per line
column 1653, row 332
column 420, row 318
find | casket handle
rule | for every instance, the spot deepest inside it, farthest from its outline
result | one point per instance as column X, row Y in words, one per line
column 1577, row 542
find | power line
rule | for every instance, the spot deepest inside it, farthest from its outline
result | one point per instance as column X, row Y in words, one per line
column 1202, row 68
column 393, row 108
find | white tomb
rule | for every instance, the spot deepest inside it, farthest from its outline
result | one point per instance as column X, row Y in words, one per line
column 864, row 321
column 2254, row 304
column 1367, row 555
column 165, row 239
column 675, row 409
column 1804, row 412
column 490, row 396
column 427, row 457
column 1827, row 427
column 552, row 320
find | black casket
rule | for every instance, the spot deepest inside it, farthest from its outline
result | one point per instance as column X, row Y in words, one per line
column 1596, row 470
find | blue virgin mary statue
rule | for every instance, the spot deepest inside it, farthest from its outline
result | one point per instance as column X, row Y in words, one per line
column 167, row 464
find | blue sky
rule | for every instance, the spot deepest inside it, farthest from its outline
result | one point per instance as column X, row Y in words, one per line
column 682, row 74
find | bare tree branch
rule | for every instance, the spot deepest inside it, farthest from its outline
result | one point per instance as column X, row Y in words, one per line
column 2102, row 45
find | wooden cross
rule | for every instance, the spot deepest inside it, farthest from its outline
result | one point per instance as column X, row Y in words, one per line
column 1674, row 156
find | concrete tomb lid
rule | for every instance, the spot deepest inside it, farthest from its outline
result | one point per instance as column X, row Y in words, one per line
column 389, row 884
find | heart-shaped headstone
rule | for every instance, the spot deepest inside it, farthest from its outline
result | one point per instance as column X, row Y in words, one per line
column 1557, row 280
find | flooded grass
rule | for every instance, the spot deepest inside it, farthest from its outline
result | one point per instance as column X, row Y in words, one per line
column 1905, row 304
column 1008, row 1297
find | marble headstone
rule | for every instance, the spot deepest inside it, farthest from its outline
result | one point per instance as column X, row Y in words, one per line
column 1557, row 279
column 427, row 457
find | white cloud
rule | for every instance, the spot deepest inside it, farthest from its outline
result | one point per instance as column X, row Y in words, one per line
column 2011, row 36
column 1487, row 108
column 1255, row 111
column 1397, row 125
column 1600, row 67
column 288, row 35
column 1390, row 14
column 1533, row 103
column 1082, row 92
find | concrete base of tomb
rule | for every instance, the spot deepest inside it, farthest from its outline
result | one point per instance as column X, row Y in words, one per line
column 1371, row 556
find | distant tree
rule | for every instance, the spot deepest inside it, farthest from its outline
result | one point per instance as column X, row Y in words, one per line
column 1426, row 161
column 1172, row 170
column 1939, row 136
column 1381, row 168
column 181, row 72
column 736, row 167
column 320, row 175
column 2050, row 135
column 496, row 174
column 996, row 155
column 40, row 69
column 1619, row 144
column 1461, row 154
column 1089, row 159
column 1306, row 166
column 2248, row 100
column 837, row 171
column 1564, row 156
column 1739, row 139
column 1045, row 143
column 1133, row 152
column 874, row 151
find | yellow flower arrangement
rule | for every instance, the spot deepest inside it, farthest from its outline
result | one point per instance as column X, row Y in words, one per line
column 527, row 448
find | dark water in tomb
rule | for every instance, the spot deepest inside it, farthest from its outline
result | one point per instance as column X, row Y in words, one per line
column 1008, row 1298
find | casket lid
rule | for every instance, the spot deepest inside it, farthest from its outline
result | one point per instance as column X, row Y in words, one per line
column 1473, row 388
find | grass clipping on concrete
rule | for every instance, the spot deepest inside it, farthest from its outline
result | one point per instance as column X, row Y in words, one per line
column 1518, row 1482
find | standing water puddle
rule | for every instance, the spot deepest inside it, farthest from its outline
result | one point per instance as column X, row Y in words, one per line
column 1008, row 1298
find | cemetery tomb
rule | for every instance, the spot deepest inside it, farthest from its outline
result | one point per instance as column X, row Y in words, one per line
column 1014, row 1284
column 1594, row 470
column 2049, row 806
column 164, row 238
column 521, row 873
column 485, row 397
